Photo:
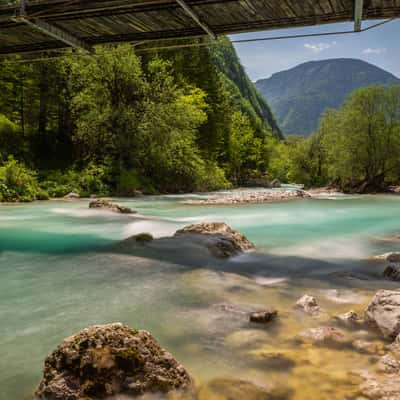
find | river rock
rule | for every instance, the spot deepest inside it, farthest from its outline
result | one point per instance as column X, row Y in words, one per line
column 255, row 197
column 110, row 206
column 349, row 319
column 220, row 239
column 384, row 312
column 389, row 364
column 324, row 336
column 142, row 238
column 309, row 305
column 393, row 257
column 72, row 196
column 380, row 387
column 263, row 317
column 238, row 389
column 107, row 360
column 392, row 272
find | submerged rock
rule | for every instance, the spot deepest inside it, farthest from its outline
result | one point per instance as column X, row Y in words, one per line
column 384, row 312
column 392, row 272
column 110, row 206
column 367, row 347
column 238, row 389
column 263, row 317
column 324, row 336
column 269, row 358
column 220, row 239
column 106, row 360
column 309, row 305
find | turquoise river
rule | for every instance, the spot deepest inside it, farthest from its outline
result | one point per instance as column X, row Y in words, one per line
column 60, row 271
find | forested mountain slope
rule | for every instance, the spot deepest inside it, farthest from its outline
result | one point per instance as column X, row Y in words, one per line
column 125, row 120
column 299, row 95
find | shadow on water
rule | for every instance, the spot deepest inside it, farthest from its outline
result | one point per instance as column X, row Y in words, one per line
column 262, row 267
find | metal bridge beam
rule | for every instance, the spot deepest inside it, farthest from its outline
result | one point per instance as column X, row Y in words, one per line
column 189, row 10
column 51, row 30
column 358, row 14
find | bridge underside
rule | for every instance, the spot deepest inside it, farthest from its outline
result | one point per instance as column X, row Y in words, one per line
column 54, row 24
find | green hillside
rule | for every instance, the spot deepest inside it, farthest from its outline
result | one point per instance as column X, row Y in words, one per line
column 299, row 95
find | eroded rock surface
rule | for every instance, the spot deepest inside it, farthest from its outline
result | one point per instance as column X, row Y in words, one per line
column 384, row 312
column 107, row 360
column 309, row 305
column 381, row 387
column 110, row 206
column 220, row 239
column 349, row 319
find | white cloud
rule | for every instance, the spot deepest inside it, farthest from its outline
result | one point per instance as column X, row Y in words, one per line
column 318, row 47
column 378, row 50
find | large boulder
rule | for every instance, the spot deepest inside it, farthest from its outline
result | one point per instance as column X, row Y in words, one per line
column 384, row 312
column 107, row 360
column 220, row 239
column 105, row 204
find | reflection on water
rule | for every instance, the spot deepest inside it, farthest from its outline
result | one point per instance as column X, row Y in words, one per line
column 61, row 271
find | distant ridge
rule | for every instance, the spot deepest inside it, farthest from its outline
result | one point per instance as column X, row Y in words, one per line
column 298, row 96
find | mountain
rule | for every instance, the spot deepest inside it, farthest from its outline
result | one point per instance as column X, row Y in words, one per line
column 241, row 88
column 299, row 95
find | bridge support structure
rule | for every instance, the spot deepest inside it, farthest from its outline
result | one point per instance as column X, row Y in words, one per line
column 51, row 30
column 189, row 10
column 358, row 14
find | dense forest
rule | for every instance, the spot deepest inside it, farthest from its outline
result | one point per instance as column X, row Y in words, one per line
column 119, row 121
column 163, row 121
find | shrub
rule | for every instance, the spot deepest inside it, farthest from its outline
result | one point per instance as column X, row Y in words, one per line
column 18, row 183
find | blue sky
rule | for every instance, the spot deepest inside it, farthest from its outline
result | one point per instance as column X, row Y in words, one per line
column 379, row 46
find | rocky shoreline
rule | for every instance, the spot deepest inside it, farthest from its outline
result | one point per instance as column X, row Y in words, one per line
column 252, row 197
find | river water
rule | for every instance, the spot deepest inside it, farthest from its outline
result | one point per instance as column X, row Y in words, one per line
column 60, row 271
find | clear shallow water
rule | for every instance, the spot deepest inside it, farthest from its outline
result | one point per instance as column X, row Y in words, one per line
column 60, row 271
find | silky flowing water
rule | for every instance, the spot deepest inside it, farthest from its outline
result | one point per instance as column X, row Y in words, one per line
column 60, row 271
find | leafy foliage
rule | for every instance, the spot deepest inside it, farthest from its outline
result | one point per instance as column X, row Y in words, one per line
column 118, row 123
